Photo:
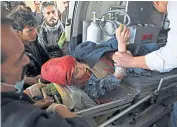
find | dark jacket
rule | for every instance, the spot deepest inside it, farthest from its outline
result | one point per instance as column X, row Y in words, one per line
column 49, row 40
column 37, row 57
column 17, row 111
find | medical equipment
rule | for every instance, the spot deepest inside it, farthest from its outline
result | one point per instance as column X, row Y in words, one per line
column 93, row 31
column 138, row 16
column 146, row 24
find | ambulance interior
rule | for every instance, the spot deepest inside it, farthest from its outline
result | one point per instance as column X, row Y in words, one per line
column 138, row 101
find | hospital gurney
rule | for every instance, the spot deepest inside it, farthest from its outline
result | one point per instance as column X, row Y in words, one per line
column 135, row 92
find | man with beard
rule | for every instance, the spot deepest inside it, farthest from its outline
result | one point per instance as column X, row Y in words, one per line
column 51, row 30
column 17, row 109
column 25, row 26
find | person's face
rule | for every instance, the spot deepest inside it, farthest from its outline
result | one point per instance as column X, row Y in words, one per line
column 51, row 15
column 79, row 71
column 37, row 5
column 80, row 75
column 15, row 60
column 21, row 7
column 28, row 34
column 161, row 6
column 66, row 4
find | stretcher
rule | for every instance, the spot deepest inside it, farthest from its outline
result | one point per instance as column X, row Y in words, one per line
column 133, row 92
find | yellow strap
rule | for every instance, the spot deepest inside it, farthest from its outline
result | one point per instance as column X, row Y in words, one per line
column 62, row 40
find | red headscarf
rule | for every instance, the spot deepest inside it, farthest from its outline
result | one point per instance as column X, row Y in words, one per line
column 59, row 70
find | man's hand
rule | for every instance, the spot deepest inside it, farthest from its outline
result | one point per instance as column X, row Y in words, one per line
column 34, row 90
column 122, row 36
column 61, row 110
column 123, row 59
column 39, row 77
column 126, row 60
column 30, row 80
column 44, row 103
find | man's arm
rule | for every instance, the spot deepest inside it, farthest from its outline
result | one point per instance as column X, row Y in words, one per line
column 162, row 60
column 33, row 116
column 127, row 60
column 139, row 62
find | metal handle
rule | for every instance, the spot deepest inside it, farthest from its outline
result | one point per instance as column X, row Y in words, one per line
column 43, row 93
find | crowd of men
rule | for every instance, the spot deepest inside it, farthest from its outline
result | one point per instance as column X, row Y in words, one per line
column 40, row 31
column 30, row 39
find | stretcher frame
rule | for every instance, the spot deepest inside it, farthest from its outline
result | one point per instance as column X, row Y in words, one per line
column 167, row 88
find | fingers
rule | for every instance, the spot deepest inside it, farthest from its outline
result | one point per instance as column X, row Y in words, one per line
column 44, row 102
column 48, row 101
column 116, row 56
column 38, row 76
column 123, row 35
column 127, row 35
column 124, row 31
column 118, row 31
column 117, row 53
column 48, row 98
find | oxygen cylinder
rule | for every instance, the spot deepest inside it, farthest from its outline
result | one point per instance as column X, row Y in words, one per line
column 94, row 31
column 84, row 30
column 108, row 28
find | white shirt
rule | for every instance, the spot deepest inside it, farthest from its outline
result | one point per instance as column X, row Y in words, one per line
column 165, row 59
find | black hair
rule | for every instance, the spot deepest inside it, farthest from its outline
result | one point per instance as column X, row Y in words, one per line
column 15, row 4
column 22, row 18
column 22, row 3
column 39, row 1
column 46, row 4
column 28, row 9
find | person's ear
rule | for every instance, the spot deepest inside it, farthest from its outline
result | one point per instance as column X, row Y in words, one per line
column 19, row 33
column 156, row 3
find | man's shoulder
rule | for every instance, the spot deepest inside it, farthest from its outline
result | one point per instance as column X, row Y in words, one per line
column 21, row 113
column 18, row 112
column 15, row 108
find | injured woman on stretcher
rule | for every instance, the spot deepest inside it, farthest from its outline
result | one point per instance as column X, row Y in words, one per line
column 80, row 79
